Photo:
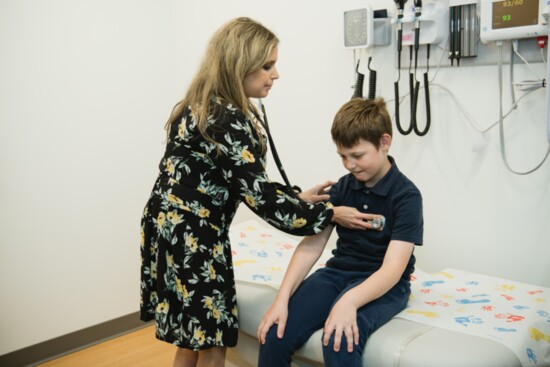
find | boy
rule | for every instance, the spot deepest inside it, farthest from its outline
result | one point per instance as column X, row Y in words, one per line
column 366, row 281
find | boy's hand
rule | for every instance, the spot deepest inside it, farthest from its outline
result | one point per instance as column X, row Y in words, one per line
column 342, row 320
column 317, row 193
column 276, row 314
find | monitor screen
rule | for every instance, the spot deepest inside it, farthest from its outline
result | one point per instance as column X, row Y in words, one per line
column 515, row 13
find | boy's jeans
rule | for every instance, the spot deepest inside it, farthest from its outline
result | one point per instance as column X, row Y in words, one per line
column 309, row 308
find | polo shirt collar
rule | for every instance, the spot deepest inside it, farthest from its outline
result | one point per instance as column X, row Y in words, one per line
column 383, row 186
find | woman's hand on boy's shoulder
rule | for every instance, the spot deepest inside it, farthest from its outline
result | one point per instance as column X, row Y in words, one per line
column 318, row 193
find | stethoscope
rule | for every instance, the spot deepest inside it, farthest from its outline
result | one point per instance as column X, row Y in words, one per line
column 377, row 223
column 414, row 84
column 265, row 125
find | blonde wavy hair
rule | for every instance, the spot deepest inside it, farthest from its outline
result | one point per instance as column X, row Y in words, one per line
column 240, row 47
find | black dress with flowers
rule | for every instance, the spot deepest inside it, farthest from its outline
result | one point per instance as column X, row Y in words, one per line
column 187, row 282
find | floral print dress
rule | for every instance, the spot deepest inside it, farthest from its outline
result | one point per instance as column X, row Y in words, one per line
column 187, row 281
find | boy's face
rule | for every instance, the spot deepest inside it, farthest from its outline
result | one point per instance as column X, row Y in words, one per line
column 365, row 162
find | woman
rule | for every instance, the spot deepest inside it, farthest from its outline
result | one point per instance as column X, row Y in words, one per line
column 215, row 159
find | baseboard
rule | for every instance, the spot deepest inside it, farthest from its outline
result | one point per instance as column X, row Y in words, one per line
column 42, row 352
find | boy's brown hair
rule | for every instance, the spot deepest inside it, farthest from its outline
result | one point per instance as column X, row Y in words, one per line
column 359, row 118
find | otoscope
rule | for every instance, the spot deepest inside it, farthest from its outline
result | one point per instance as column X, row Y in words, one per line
column 417, row 14
column 400, row 5
column 414, row 85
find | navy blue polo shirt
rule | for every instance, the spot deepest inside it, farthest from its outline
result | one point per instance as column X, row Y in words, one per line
column 397, row 199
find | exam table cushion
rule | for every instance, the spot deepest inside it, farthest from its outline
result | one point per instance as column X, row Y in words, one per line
column 399, row 342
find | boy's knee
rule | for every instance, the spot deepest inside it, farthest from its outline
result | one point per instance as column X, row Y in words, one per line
column 271, row 336
column 275, row 352
column 274, row 343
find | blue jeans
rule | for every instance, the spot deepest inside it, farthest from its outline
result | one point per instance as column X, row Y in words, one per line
column 309, row 308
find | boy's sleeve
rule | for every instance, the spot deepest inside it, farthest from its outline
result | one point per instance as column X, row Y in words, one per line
column 408, row 223
column 335, row 194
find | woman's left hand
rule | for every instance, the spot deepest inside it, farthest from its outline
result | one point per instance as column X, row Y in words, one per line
column 317, row 193
column 352, row 218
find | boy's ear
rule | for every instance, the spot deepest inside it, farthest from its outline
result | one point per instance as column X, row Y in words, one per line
column 385, row 142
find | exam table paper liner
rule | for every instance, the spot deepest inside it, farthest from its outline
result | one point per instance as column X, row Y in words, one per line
column 261, row 254
column 512, row 313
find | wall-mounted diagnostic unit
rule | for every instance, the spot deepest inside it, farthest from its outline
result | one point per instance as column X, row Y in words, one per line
column 512, row 19
column 364, row 28
column 433, row 22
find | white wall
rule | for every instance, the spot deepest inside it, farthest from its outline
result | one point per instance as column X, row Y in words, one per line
column 87, row 86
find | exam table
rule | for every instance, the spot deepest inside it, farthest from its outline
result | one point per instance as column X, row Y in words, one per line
column 399, row 343
column 454, row 318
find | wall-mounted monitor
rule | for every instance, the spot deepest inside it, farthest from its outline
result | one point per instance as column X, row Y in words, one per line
column 512, row 19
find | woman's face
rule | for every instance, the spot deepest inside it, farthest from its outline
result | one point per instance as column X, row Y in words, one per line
column 258, row 83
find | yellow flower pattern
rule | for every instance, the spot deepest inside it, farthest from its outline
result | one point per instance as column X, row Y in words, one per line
column 212, row 272
column 181, row 130
column 204, row 213
column 250, row 201
column 173, row 217
column 160, row 219
column 247, row 156
column 199, row 336
column 299, row 223
column 208, row 302
column 170, row 167
column 163, row 307
column 191, row 243
column 174, row 199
